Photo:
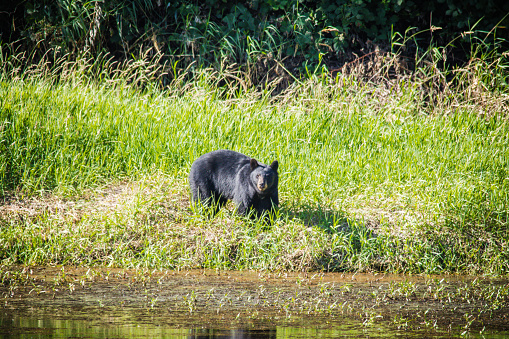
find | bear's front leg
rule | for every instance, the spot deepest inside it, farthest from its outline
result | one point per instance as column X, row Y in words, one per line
column 243, row 204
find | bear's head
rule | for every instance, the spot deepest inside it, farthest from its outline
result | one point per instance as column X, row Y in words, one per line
column 264, row 177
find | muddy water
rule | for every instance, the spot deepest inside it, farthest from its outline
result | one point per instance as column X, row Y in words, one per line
column 101, row 303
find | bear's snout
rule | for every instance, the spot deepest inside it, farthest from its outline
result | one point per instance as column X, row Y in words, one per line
column 262, row 184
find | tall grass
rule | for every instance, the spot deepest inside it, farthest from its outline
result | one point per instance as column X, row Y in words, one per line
column 373, row 176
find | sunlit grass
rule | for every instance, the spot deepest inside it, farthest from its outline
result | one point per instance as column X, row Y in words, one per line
column 371, row 176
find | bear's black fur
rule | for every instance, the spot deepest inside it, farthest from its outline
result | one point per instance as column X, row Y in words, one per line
column 223, row 175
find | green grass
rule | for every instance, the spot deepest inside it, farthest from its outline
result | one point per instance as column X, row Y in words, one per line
column 372, row 177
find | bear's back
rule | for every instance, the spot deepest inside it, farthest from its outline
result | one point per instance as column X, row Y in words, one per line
column 221, row 160
column 217, row 171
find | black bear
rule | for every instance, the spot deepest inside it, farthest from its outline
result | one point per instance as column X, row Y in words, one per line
column 223, row 175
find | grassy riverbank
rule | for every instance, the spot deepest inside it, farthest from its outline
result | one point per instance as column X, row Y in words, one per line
column 374, row 176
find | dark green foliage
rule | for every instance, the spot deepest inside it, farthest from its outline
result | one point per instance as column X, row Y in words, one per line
column 226, row 32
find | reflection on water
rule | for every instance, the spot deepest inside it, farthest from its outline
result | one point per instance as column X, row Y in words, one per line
column 110, row 326
column 13, row 326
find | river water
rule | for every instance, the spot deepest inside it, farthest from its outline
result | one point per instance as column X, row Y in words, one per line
column 64, row 302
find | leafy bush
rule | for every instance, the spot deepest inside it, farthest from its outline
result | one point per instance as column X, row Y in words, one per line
column 214, row 32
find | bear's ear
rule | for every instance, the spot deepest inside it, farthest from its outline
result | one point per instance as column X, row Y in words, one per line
column 253, row 164
column 274, row 165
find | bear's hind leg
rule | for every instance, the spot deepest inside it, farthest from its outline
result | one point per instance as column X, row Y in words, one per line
column 216, row 202
column 211, row 202
column 201, row 195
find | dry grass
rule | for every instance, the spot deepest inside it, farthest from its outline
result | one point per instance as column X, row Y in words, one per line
column 137, row 217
